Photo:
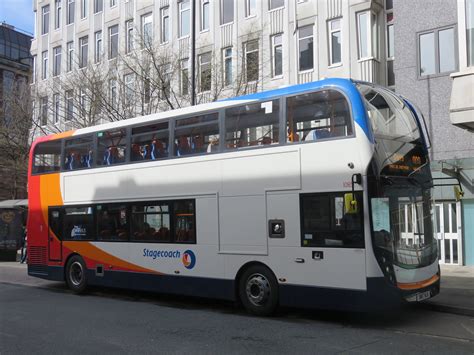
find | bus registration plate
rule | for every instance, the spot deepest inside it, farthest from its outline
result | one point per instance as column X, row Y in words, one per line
column 423, row 296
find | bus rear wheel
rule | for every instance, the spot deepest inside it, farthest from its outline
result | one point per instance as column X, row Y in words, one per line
column 258, row 290
column 76, row 274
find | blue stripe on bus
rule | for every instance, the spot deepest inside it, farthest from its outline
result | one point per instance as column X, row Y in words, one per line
column 345, row 85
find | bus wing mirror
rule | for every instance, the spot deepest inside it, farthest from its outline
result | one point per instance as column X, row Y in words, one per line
column 350, row 204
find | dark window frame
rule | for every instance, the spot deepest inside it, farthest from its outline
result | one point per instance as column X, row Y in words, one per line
column 128, row 205
column 331, row 195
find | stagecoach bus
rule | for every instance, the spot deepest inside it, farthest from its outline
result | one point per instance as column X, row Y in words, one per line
column 313, row 195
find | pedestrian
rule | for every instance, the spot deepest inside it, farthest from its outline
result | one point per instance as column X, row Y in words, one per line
column 24, row 248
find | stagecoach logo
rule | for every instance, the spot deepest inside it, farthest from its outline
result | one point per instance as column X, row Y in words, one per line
column 189, row 259
column 78, row 231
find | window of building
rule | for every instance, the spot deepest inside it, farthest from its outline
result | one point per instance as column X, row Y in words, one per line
column 69, row 105
column 129, row 88
column 44, row 111
column 275, row 4
column 367, row 35
column 84, row 8
column 390, row 43
column 35, row 69
column 82, row 103
column 305, row 48
column 470, row 32
column 44, row 66
column 335, row 45
column 196, row 135
column 113, row 41
column 165, row 25
column 184, row 18
column 111, row 147
column 56, row 108
column 325, row 223
column 151, row 221
column 83, row 51
column 150, row 142
column 252, row 125
column 147, row 29
column 165, row 78
column 98, row 6
column 437, row 52
column 184, row 76
column 57, row 15
column 45, row 19
column 112, row 223
column 205, row 15
column 227, row 60
column 98, row 47
column 78, row 153
column 128, row 36
column 113, row 3
column 113, row 93
column 252, row 64
column 47, row 157
column 318, row 115
column 70, row 11
column 147, row 90
column 205, row 71
column 277, row 55
column 227, row 11
column 250, row 8
column 78, row 223
column 56, row 61
column 70, row 55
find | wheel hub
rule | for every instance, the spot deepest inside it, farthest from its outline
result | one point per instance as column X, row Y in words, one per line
column 76, row 273
column 258, row 289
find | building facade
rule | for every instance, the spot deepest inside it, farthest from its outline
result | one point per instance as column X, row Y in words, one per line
column 15, row 116
column 432, row 45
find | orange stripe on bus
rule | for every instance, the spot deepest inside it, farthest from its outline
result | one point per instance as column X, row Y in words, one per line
column 92, row 252
column 50, row 192
column 419, row 284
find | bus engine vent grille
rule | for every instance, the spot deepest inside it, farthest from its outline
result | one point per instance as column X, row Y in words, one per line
column 37, row 256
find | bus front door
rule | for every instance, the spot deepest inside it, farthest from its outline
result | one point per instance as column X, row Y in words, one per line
column 54, row 241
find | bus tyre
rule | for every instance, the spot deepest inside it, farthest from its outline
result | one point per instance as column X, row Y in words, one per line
column 76, row 274
column 258, row 290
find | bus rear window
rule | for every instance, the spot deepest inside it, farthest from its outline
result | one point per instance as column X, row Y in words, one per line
column 47, row 157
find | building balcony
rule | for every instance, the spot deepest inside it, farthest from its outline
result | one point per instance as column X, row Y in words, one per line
column 461, row 108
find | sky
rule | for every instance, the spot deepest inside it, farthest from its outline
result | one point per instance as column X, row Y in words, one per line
column 18, row 13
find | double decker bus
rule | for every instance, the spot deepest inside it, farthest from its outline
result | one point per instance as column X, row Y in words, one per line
column 296, row 196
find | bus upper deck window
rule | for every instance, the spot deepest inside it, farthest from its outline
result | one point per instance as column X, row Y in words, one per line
column 78, row 153
column 318, row 115
column 47, row 157
column 111, row 147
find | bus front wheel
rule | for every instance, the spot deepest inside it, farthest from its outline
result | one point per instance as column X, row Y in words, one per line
column 258, row 290
column 76, row 274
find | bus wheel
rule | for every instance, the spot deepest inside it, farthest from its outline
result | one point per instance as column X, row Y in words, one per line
column 258, row 290
column 76, row 274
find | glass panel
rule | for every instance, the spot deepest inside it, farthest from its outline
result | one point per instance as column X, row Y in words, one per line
column 427, row 54
column 391, row 43
column 78, row 153
column 409, row 210
column 363, row 35
column 446, row 50
column 274, row 4
column 336, row 47
column 112, row 222
column 446, row 217
column 447, row 251
column 151, row 222
column 196, row 135
column 470, row 31
column 306, row 48
column 185, row 231
column 318, row 115
column 227, row 11
column 47, row 157
column 438, row 218
column 455, row 251
column 112, row 146
column 252, row 125
column 78, row 223
column 454, row 222
column 150, row 142
column 391, row 73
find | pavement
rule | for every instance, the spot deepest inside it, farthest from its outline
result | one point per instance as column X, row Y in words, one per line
column 457, row 291
column 456, row 295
